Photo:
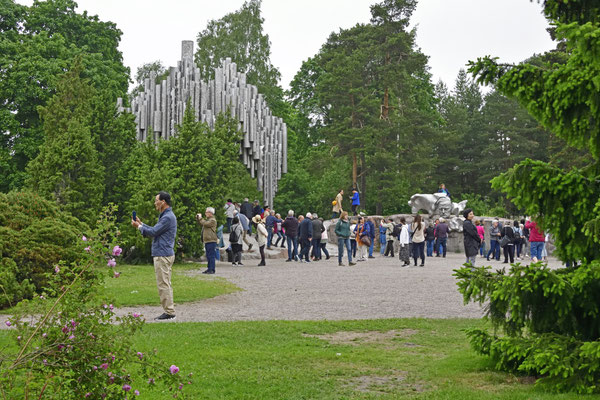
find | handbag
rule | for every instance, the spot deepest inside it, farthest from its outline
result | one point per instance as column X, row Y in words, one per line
column 366, row 240
column 504, row 241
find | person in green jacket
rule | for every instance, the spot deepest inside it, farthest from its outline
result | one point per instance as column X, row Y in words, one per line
column 342, row 230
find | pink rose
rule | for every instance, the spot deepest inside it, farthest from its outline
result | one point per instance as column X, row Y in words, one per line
column 117, row 251
column 111, row 263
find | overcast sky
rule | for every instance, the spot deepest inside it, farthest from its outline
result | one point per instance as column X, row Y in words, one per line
column 450, row 32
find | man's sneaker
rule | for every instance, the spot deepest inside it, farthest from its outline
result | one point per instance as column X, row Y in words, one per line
column 288, row 260
column 341, row 264
column 208, row 272
column 164, row 317
column 351, row 263
column 371, row 256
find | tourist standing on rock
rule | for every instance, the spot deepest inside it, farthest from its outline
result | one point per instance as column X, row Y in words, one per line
column 337, row 204
column 270, row 222
column 471, row 240
column 355, row 201
column 418, row 240
column 324, row 238
column 342, row 231
column 290, row 224
column 278, row 230
column 229, row 213
column 441, row 233
column 404, row 243
column 443, row 189
column 305, row 235
column 235, row 238
column 371, row 225
column 537, row 240
column 163, row 241
column 495, row 234
column 430, row 239
column 318, row 229
column 261, row 237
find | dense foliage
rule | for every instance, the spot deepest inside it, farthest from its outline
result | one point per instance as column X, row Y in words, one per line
column 34, row 236
column 548, row 319
column 68, row 343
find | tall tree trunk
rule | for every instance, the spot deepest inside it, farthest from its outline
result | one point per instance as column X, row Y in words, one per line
column 354, row 169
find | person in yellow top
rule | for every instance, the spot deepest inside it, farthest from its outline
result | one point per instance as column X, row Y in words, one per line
column 337, row 204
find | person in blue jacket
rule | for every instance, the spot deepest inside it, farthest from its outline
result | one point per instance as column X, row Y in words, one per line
column 371, row 235
column 355, row 201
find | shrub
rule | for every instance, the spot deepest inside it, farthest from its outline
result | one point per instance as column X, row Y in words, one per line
column 34, row 236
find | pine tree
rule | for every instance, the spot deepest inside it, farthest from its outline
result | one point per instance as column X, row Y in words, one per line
column 67, row 168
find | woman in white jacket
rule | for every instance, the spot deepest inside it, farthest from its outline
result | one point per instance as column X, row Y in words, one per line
column 404, row 242
column 261, row 237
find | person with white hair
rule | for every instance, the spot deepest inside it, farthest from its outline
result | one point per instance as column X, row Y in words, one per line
column 209, row 237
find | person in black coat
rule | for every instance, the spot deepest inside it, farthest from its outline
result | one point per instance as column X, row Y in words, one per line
column 471, row 237
column 509, row 248
column 305, row 235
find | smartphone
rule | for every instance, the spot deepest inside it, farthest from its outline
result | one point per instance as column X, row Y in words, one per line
column 133, row 216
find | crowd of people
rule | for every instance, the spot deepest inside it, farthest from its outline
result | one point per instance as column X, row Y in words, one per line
column 306, row 237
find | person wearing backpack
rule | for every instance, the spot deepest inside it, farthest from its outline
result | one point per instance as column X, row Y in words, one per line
column 235, row 239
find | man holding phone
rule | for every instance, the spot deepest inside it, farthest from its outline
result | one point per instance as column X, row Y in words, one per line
column 209, row 237
column 163, row 241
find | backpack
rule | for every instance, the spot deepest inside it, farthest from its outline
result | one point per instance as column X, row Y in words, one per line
column 233, row 236
column 397, row 230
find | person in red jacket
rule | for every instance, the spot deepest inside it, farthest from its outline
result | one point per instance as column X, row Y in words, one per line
column 537, row 240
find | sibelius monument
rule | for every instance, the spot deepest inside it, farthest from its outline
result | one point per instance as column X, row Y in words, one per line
column 159, row 108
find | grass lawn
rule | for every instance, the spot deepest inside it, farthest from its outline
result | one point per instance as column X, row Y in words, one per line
column 137, row 285
column 378, row 359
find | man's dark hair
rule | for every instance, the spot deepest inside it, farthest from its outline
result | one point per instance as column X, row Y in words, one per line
column 229, row 200
column 466, row 212
column 165, row 196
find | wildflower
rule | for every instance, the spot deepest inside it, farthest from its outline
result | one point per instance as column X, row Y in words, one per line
column 61, row 346
column 111, row 263
column 87, row 249
column 150, row 381
column 71, row 337
column 137, row 392
column 74, row 324
column 105, row 305
column 136, row 315
column 42, row 297
column 126, row 387
column 88, row 394
column 44, row 334
column 110, row 307
column 8, row 323
column 116, row 274
column 117, row 251
column 56, row 269
column 174, row 369
column 140, row 355
column 95, row 368
column 104, row 366
column 65, row 329
column 19, row 338
column 84, row 238
column 45, row 362
column 180, row 386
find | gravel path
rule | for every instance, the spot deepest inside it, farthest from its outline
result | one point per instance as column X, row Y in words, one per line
column 376, row 288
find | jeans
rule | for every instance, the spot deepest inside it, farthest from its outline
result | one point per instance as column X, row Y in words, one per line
column 292, row 253
column 482, row 250
column 353, row 247
column 304, row 249
column 210, row 249
column 229, row 221
column 430, row 248
column 418, row 251
column 269, row 235
column 536, row 249
column 316, row 246
column 341, row 244
column 324, row 248
column 441, row 245
column 371, row 247
column 382, row 243
column 494, row 250
column 335, row 215
column 280, row 237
